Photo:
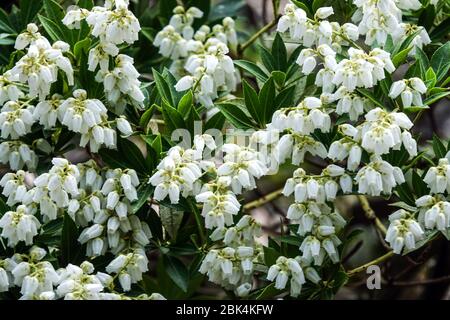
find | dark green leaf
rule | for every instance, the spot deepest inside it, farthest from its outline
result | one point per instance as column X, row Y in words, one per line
column 253, row 69
column 69, row 243
column 163, row 88
column 266, row 100
column 215, row 122
column 144, row 191
column 172, row 117
column 177, row 271
column 440, row 61
column 438, row 147
column 185, row 104
column 235, row 115
column 279, row 53
column 251, row 101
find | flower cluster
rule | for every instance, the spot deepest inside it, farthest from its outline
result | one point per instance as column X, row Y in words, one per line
column 113, row 24
column 200, row 58
column 297, row 269
column 403, row 231
column 380, row 19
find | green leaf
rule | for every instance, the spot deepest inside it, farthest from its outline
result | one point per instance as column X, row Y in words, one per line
column 251, row 101
column 317, row 4
column 235, row 115
column 435, row 97
column 185, row 104
column 171, row 220
column 146, row 116
column 172, row 117
column 420, row 187
column 163, row 88
column 427, row 17
column 294, row 240
column 215, row 122
column 133, row 155
column 441, row 30
column 53, row 10
column 438, row 147
column 266, row 58
column 69, row 241
column 279, row 77
column 440, row 61
column 422, row 61
column 400, row 57
column 403, row 205
column 52, row 29
column 270, row 256
column 268, row 292
column 366, row 93
column 86, row 4
column 81, row 47
column 303, row 6
column 279, row 53
column 285, row 98
column 177, row 271
column 3, row 207
column 28, row 11
column 144, row 191
column 5, row 23
column 405, row 194
column 266, row 100
column 414, row 109
column 430, row 78
column 253, row 69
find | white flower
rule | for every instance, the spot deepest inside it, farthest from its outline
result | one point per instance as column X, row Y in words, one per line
column 362, row 69
column 121, row 83
column 286, row 268
column 434, row 212
column 410, row 91
column 378, row 177
column 241, row 166
column 229, row 267
column 403, row 231
column 74, row 16
column 382, row 131
column 124, row 126
column 19, row 225
column 78, row 283
column 171, row 43
column 9, row 90
column 219, row 207
column 114, row 26
column 80, row 114
column 14, row 187
column 17, row 155
column 437, row 178
column 16, row 119
column 100, row 55
column 324, row 12
column 39, row 67
column 129, row 267
column 28, row 37
column 176, row 173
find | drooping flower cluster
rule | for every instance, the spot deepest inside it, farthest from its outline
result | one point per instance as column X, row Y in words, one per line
column 403, row 231
column 380, row 19
column 297, row 269
column 113, row 24
column 200, row 58
column 317, row 223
